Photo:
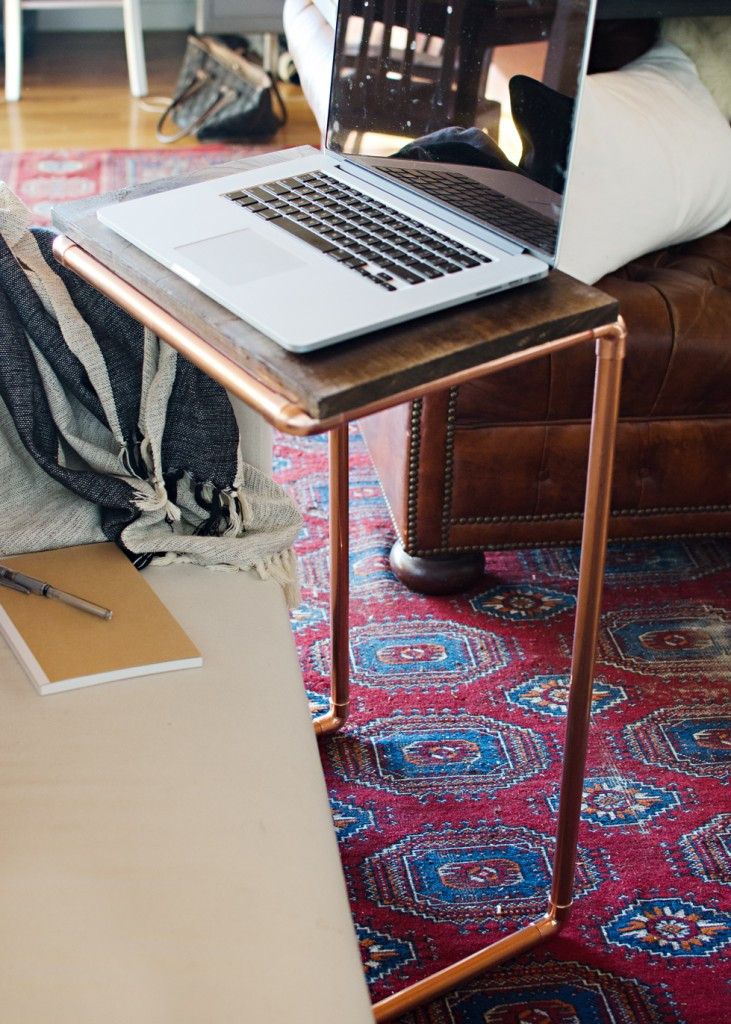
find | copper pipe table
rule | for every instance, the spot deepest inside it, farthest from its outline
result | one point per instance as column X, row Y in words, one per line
column 326, row 390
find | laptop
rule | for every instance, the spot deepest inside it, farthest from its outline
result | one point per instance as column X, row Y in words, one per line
column 442, row 176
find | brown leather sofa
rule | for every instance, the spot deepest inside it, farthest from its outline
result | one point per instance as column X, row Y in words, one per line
column 501, row 462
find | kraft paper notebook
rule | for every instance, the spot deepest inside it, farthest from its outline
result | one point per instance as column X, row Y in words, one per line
column 62, row 648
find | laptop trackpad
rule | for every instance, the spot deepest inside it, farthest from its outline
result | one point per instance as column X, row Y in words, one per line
column 238, row 257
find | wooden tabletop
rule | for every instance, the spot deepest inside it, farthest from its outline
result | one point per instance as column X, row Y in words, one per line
column 349, row 376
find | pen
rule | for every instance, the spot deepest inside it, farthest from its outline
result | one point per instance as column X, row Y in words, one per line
column 30, row 585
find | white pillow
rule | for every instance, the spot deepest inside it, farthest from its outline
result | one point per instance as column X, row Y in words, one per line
column 311, row 39
column 651, row 164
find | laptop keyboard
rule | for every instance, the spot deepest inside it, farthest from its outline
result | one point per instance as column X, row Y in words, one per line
column 366, row 236
column 477, row 200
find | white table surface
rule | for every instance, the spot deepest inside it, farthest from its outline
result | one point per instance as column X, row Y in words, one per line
column 167, row 854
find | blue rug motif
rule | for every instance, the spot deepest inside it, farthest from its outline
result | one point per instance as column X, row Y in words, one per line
column 707, row 850
column 549, row 695
column 437, row 756
column 467, row 874
column 621, row 803
column 693, row 740
column 670, row 928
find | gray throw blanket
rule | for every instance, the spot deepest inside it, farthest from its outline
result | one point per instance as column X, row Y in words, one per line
column 107, row 434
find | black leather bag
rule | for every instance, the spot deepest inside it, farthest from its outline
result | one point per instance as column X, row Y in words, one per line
column 221, row 94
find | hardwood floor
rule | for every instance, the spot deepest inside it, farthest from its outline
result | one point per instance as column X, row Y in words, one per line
column 76, row 96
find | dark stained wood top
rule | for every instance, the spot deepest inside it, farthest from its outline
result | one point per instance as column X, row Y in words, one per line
column 340, row 379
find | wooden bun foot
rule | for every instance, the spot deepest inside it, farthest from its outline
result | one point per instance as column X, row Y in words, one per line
column 438, row 574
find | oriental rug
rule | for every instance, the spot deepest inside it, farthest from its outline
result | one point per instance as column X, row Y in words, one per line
column 43, row 178
column 444, row 782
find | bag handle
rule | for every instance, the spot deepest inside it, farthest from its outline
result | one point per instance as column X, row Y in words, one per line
column 225, row 96
column 282, row 116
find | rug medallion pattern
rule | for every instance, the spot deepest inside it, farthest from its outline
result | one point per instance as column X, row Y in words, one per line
column 444, row 784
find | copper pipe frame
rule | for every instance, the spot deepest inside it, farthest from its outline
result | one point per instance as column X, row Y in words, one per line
column 610, row 349
column 335, row 718
column 275, row 407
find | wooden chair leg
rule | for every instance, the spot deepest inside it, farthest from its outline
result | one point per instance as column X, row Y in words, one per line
column 135, row 47
column 13, row 41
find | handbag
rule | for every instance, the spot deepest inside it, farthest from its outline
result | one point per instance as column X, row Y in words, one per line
column 221, row 94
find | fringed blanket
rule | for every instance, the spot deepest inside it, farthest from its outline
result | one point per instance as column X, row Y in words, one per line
column 106, row 434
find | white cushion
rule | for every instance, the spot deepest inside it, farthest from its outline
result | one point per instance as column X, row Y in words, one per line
column 310, row 39
column 257, row 436
column 651, row 164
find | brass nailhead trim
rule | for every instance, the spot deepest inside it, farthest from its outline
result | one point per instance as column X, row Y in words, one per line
column 449, row 464
column 515, row 545
column 663, row 511
column 412, row 498
column 548, row 517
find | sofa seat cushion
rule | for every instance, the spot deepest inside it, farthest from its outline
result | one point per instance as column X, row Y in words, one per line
column 677, row 304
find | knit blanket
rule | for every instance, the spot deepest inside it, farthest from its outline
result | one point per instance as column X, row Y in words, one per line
column 107, row 434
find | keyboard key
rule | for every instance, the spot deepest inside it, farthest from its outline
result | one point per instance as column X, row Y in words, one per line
column 468, row 261
column 266, row 213
column 304, row 234
column 427, row 271
column 406, row 274
column 260, row 193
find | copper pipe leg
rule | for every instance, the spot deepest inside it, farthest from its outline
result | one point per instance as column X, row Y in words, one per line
column 465, row 970
column 610, row 353
column 335, row 718
column 609, row 362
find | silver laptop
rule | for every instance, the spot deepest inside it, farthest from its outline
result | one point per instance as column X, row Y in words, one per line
column 442, row 176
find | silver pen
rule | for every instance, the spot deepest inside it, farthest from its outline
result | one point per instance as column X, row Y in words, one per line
column 30, row 585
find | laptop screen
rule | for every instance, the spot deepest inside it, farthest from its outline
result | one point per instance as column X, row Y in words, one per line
column 468, row 103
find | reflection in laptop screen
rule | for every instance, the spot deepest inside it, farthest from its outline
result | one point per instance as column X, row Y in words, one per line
column 471, row 102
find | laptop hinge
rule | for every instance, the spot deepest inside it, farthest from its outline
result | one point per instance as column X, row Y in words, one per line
column 431, row 206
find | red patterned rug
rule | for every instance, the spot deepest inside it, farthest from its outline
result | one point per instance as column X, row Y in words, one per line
column 43, row 178
column 444, row 782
